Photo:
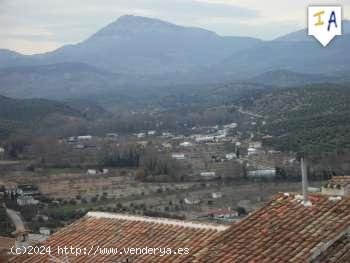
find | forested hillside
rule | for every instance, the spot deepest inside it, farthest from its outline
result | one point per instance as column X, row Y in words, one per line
column 32, row 114
column 313, row 118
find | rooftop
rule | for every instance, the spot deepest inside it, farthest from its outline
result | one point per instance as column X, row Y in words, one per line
column 108, row 230
column 284, row 230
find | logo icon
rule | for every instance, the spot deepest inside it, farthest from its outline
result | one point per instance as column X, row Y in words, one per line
column 324, row 23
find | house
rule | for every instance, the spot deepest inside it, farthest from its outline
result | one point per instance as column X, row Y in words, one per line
column 208, row 174
column 283, row 230
column 151, row 133
column 231, row 156
column 338, row 185
column 216, row 195
column 146, row 238
column 260, row 173
column 186, row 144
column 222, row 214
column 256, row 145
column 44, row 231
column 140, row 135
column 84, row 137
column 178, row 156
column 167, row 134
column 251, row 151
column 205, row 139
column 189, row 201
column 26, row 200
column 91, row 172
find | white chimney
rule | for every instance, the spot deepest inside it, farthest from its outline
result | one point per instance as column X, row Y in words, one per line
column 306, row 201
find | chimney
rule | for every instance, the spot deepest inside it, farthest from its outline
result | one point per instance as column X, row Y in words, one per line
column 306, row 201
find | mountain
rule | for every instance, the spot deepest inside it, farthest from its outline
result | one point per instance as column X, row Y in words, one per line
column 139, row 45
column 63, row 80
column 139, row 53
column 302, row 35
column 299, row 56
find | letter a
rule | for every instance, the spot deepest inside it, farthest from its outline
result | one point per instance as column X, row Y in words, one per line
column 332, row 19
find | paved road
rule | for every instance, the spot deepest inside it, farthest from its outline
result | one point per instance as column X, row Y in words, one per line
column 16, row 219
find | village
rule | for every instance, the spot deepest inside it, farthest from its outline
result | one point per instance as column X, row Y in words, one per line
column 214, row 174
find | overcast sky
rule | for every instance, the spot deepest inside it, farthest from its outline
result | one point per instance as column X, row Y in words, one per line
column 36, row 26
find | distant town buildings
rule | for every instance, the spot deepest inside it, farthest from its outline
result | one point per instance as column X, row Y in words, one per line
column 338, row 185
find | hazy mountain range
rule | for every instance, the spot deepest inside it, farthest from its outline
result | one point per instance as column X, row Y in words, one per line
column 139, row 51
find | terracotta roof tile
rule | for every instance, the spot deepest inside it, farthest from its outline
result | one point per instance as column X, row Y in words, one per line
column 284, row 230
column 121, row 231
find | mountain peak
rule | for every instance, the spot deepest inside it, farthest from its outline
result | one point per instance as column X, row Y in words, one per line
column 135, row 25
column 132, row 19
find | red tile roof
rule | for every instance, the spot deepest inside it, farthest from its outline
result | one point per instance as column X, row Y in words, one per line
column 6, row 243
column 284, row 230
column 121, row 231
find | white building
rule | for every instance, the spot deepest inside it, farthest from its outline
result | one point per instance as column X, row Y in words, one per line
column 151, row 133
column 216, row 195
column 256, row 145
column 186, row 144
column 208, row 174
column 140, row 135
column 231, row 156
column 251, row 151
column 167, row 134
column 91, row 172
column 178, row 156
column 2, row 150
column 205, row 139
column 267, row 173
column 85, row 137
column 45, row 231
column 191, row 201
column 26, row 200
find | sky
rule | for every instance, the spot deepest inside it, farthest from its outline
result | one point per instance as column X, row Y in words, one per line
column 38, row 26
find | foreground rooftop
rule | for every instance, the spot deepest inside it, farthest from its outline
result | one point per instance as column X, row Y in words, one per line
column 284, row 230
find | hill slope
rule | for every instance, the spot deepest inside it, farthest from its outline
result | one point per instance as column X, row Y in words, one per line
column 313, row 118
column 33, row 114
